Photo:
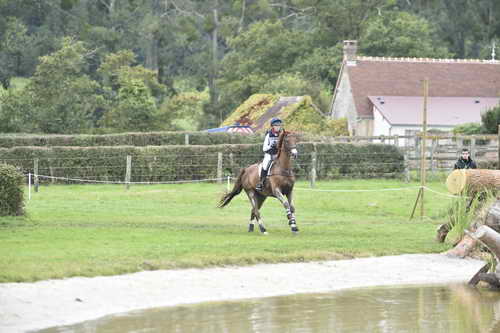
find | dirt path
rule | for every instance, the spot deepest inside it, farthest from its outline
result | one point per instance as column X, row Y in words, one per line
column 28, row 306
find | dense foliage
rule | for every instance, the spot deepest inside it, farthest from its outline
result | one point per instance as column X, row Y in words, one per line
column 104, row 66
column 172, row 163
column 11, row 191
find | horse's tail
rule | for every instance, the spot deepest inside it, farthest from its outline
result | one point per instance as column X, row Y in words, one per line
column 238, row 186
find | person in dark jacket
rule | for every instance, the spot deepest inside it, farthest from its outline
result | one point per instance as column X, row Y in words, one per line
column 465, row 162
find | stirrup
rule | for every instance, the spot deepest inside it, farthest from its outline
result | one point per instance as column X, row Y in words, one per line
column 260, row 186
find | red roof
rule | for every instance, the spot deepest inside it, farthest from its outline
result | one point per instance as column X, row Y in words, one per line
column 441, row 111
column 374, row 76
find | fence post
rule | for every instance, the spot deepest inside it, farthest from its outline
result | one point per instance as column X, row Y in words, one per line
column 231, row 163
column 473, row 148
column 128, row 171
column 407, row 166
column 35, row 170
column 219, row 167
column 433, row 148
column 314, row 158
column 29, row 186
column 396, row 140
column 186, row 139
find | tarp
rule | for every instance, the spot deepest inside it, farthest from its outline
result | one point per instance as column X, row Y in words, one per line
column 232, row 129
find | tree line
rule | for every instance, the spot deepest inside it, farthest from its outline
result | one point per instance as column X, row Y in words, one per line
column 103, row 66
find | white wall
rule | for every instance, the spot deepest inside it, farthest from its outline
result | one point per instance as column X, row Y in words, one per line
column 343, row 106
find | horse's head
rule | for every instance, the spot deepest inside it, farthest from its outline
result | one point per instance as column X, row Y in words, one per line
column 288, row 143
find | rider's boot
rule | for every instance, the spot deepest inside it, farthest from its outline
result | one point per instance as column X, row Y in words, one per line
column 260, row 185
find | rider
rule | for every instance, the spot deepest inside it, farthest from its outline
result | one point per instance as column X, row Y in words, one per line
column 270, row 148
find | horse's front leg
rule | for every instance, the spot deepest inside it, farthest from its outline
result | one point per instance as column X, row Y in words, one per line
column 289, row 196
column 289, row 210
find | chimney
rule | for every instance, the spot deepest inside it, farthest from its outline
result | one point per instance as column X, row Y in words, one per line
column 350, row 49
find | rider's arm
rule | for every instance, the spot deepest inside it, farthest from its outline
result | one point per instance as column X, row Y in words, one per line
column 267, row 144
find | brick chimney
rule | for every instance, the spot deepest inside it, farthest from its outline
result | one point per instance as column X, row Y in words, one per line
column 350, row 49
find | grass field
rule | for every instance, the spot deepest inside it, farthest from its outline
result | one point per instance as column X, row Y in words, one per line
column 90, row 230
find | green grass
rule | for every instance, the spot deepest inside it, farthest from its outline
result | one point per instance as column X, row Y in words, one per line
column 90, row 230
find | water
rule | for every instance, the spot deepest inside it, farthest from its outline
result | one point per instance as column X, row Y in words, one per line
column 454, row 308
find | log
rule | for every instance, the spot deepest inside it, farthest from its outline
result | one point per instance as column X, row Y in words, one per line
column 490, row 238
column 463, row 248
column 464, row 181
column 469, row 242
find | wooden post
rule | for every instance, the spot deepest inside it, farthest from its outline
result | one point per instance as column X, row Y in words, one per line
column 35, row 170
column 51, row 171
column 231, row 163
column 424, row 137
column 407, row 166
column 128, row 171
column 314, row 158
column 473, row 148
column 186, row 139
column 396, row 140
column 433, row 149
column 219, row 168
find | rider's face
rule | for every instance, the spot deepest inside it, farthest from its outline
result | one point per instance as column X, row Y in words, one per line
column 276, row 128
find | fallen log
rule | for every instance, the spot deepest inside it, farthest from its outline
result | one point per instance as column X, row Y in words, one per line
column 473, row 181
column 491, row 239
column 469, row 242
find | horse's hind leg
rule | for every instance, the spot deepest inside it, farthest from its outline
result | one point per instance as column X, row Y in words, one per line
column 256, row 201
column 260, row 201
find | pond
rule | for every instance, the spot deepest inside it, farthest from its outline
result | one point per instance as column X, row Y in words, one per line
column 454, row 308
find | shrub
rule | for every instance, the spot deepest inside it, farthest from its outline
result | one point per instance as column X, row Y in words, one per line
column 11, row 191
column 491, row 119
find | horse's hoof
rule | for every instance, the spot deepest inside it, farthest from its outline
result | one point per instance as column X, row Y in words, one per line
column 250, row 228
column 265, row 233
column 295, row 233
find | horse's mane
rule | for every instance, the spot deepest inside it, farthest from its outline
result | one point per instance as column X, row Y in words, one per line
column 281, row 141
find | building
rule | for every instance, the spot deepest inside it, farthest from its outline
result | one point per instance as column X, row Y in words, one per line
column 384, row 96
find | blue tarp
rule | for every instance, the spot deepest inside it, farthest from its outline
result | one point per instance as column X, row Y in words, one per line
column 232, row 129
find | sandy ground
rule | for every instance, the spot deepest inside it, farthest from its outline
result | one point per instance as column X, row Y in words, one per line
column 29, row 306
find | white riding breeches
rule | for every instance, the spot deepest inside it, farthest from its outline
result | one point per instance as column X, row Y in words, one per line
column 268, row 158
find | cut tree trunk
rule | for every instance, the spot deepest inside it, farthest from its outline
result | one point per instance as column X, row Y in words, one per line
column 473, row 181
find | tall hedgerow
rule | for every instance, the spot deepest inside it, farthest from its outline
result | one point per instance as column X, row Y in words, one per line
column 11, row 191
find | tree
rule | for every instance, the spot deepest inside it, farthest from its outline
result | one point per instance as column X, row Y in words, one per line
column 131, row 92
column 13, row 47
column 60, row 97
column 400, row 34
column 491, row 120
column 135, row 108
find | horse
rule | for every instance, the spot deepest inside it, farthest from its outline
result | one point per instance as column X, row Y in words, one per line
column 279, row 184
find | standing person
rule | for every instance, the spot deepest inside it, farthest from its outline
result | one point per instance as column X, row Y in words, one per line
column 270, row 148
column 465, row 162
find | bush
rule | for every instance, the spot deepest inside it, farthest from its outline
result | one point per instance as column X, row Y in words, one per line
column 11, row 191
column 491, row 119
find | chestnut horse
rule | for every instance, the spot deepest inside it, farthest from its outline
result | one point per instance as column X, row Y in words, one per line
column 279, row 183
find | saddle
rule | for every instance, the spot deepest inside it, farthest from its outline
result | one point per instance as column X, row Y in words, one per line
column 268, row 171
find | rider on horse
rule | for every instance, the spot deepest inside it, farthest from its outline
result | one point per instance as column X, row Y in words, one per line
column 270, row 148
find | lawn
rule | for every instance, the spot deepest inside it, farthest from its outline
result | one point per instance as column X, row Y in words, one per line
column 90, row 230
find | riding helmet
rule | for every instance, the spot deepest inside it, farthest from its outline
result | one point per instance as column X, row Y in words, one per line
column 276, row 121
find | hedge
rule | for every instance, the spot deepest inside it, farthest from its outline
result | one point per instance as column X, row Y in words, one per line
column 11, row 191
column 128, row 139
column 169, row 163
